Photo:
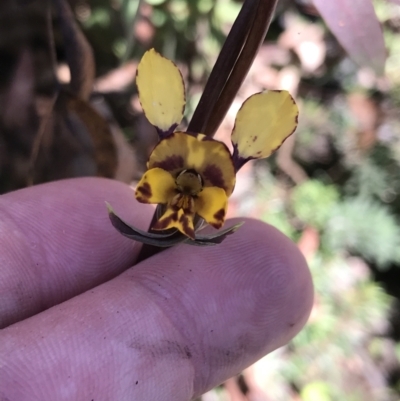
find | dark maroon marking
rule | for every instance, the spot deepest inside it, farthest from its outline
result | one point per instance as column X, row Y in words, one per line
column 213, row 174
column 166, row 222
column 145, row 190
column 235, row 153
column 219, row 215
column 188, row 209
column 255, row 138
column 170, row 163
column 175, row 208
column 238, row 161
column 184, row 220
column 296, row 119
column 165, row 134
column 141, row 200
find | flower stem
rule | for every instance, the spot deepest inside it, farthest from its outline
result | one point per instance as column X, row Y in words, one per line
column 232, row 65
column 223, row 66
column 254, row 40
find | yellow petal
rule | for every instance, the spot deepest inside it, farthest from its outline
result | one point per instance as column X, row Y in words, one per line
column 263, row 122
column 161, row 91
column 176, row 218
column 208, row 157
column 211, row 205
column 156, row 186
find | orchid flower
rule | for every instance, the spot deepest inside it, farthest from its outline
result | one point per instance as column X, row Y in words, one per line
column 190, row 175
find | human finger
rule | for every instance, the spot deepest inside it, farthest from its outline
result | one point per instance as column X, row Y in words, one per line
column 170, row 328
column 57, row 241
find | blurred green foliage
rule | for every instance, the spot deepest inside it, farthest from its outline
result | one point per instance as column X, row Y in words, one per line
column 316, row 391
column 366, row 228
column 330, row 351
column 356, row 224
column 313, row 202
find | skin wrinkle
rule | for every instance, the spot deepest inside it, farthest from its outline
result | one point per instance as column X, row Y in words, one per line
column 171, row 163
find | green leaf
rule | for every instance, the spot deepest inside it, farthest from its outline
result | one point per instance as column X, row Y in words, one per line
column 313, row 202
